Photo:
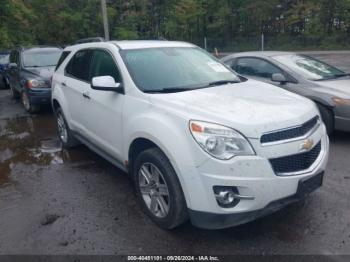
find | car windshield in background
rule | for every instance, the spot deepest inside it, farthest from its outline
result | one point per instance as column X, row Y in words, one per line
column 310, row 68
column 41, row 59
column 4, row 59
column 175, row 69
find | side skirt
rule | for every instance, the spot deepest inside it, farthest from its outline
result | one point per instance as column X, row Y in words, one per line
column 100, row 152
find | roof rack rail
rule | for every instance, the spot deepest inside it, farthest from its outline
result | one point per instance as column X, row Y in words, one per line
column 90, row 40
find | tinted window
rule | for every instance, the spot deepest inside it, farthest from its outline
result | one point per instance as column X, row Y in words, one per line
column 103, row 65
column 79, row 65
column 14, row 57
column 256, row 67
column 62, row 58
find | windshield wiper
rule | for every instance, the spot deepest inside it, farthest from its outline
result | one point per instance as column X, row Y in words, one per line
column 342, row 75
column 333, row 77
column 182, row 89
column 169, row 90
column 35, row 66
column 223, row 82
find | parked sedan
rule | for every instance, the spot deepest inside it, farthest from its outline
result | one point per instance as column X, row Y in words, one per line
column 30, row 71
column 4, row 61
column 326, row 85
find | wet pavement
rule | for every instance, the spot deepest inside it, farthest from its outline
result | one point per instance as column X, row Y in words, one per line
column 54, row 201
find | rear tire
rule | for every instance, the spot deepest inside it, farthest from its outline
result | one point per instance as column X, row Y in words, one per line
column 64, row 133
column 327, row 118
column 28, row 106
column 158, row 189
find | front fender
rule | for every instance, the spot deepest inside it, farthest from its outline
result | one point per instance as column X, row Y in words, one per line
column 171, row 134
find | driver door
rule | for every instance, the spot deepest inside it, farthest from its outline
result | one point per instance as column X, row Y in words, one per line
column 102, row 118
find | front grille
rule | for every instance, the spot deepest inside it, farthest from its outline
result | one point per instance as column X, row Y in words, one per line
column 296, row 163
column 290, row 133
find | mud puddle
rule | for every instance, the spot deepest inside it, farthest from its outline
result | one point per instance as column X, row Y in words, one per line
column 33, row 141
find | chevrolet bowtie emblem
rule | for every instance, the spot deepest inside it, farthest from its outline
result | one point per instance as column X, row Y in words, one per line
column 307, row 144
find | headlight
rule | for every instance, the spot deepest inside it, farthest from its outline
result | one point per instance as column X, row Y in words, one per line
column 341, row 101
column 219, row 141
column 36, row 83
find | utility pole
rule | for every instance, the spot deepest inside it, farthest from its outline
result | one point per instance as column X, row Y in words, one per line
column 105, row 19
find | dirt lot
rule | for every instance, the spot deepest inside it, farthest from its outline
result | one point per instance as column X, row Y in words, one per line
column 74, row 202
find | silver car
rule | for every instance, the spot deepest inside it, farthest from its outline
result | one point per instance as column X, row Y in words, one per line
column 326, row 85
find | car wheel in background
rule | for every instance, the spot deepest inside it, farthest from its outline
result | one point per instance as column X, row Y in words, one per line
column 14, row 93
column 327, row 117
column 158, row 189
column 65, row 134
column 2, row 82
column 28, row 105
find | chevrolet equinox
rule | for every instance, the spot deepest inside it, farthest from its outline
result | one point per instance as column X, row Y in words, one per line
column 199, row 141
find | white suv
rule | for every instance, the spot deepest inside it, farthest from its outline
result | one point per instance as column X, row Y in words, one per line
column 199, row 141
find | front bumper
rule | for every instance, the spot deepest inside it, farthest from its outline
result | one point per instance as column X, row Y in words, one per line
column 39, row 96
column 252, row 176
column 219, row 221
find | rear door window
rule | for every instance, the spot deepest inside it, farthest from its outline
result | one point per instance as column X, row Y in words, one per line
column 79, row 65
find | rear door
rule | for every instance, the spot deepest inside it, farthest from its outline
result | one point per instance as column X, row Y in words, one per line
column 74, row 84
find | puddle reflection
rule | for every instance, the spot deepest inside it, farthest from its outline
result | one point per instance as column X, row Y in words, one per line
column 33, row 140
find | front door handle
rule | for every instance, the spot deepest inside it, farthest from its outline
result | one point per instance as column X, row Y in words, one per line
column 86, row 95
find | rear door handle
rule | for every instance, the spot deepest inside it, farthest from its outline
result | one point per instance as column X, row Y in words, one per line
column 64, row 84
column 86, row 95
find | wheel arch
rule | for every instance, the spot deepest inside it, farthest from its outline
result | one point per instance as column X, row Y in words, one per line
column 137, row 146
column 55, row 105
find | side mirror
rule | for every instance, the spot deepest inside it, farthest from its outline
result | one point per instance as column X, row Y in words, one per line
column 12, row 66
column 106, row 83
column 279, row 78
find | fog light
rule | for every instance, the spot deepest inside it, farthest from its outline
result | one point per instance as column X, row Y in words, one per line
column 226, row 196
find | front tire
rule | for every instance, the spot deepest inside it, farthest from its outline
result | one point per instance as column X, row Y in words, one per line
column 28, row 106
column 327, row 118
column 65, row 134
column 158, row 189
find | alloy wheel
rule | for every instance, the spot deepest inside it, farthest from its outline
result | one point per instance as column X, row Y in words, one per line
column 62, row 128
column 25, row 101
column 154, row 190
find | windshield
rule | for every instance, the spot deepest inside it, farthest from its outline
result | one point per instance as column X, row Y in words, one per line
column 4, row 59
column 175, row 69
column 41, row 59
column 309, row 68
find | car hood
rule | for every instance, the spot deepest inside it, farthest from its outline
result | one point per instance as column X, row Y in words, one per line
column 42, row 72
column 251, row 107
column 337, row 87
